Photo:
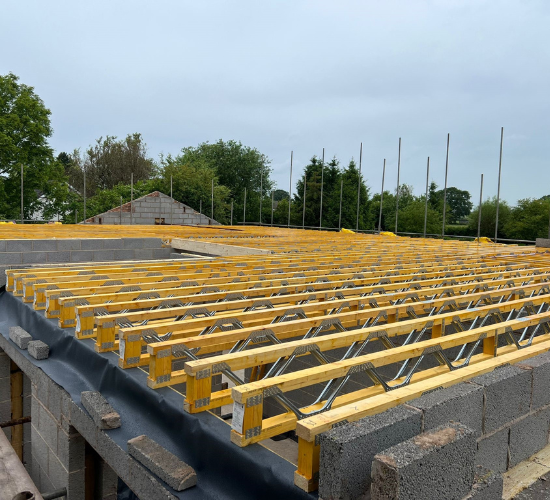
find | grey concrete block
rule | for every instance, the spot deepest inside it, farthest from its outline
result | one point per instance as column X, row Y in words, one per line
column 19, row 337
column 58, row 475
column 528, row 436
column 11, row 258
column 4, row 365
column 460, row 403
column 82, row 256
column 434, row 465
column 487, row 485
column 143, row 253
column 512, row 381
column 144, row 484
column 54, row 399
column 102, row 413
column 84, row 424
column 34, row 257
column 103, row 255
column 48, row 428
column 18, row 245
column 70, row 450
column 35, row 472
column 162, row 463
column 92, row 244
column 124, row 254
column 27, row 403
column 35, row 412
column 133, row 243
column 540, row 369
column 161, row 253
column 76, row 485
column 5, row 391
column 64, row 256
column 73, row 244
column 492, row 451
column 543, row 242
column 44, row 245
column 347, row 451
column 39, row 349
column 5, row 411
column 39, row 449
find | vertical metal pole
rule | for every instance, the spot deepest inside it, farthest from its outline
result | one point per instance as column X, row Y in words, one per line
column 381, row 198
column 426, row 207
column 397, row 192
column 200, row 206
column 445, row 191
column 171, row 202
column 272, row 207
column 304, row 207
column 359, row 186
column 244, row 211
column 212, row 209
column 499, row 174
column 340, row 216
column 75, row 216
column 290, row 188
column 231, row 212
column 120, row 211
column 479, row 214
column 22, row 215
column 261, row 193
column 132, row 199
column 322, row 182
column 84, row 195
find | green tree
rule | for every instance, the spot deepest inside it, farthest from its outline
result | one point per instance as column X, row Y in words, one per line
column 488, row 218
column 192, row 183
column 411, row 218
column 528, row 220
column 109, row 162
column 24, row 131
column 434, row 200
column 237, row 167
column 280, row 194
column 459, row 204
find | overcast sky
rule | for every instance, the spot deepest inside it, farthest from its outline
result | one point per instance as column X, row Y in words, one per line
column 301, row 75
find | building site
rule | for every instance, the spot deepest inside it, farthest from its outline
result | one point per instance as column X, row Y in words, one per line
column 218, row 361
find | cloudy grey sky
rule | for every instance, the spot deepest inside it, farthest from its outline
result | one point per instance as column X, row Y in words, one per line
column 301, row 75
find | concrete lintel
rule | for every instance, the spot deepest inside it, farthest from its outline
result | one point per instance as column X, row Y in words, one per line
column 204, row 248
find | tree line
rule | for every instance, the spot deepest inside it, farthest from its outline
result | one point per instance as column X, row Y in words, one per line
column 54, row 184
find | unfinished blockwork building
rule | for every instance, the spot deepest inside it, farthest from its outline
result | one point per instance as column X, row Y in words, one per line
column 318, row 365
column 153, row 208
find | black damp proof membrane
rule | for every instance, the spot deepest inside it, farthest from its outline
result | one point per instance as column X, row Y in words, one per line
column 224, row 470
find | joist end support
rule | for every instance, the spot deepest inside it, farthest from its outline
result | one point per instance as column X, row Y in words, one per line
column 191, row 408
column 306, row 484
column 239, row 439
column 124, row 364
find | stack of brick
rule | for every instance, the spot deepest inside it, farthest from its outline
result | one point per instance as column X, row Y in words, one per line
column 154, row 208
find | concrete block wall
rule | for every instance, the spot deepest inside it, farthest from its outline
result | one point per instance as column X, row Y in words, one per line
column 20, row 253
column 58, row 450
column 508, row 411
column 153, row 209
column 64, row 439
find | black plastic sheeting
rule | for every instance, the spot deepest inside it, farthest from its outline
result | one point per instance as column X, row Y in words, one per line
column 202, row 440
